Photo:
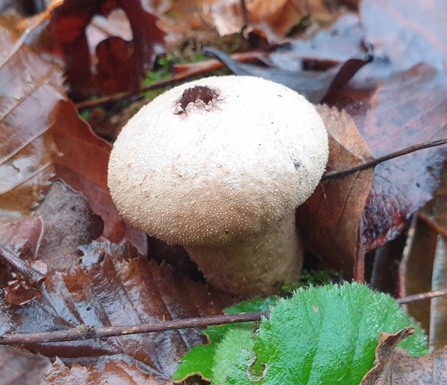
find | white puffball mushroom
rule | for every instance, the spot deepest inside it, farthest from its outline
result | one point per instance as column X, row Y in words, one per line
column 219, row 165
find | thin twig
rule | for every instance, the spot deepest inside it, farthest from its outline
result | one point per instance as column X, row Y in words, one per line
column 10, row 258
column 84, row 332
column 422, row 296
column 374, row 162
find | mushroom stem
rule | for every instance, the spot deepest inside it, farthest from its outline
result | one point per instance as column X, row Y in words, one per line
column 256, row 265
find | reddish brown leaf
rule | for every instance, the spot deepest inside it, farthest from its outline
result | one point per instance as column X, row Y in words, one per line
column 84, row 167
column 20, row 292
column 24, row 236
column 331, row 217
column 405, row 110
column 131, row 59
column 117, row 369
column 21, row 367
column 108, row 290
column 30, row 89
column 69, row 222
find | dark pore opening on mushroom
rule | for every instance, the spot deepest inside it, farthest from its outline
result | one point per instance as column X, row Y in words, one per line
column 190, row 95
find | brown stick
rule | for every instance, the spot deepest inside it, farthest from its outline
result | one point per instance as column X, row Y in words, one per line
column 421, row 296
column 374, row 162
column 84, row 332
column 11, row 258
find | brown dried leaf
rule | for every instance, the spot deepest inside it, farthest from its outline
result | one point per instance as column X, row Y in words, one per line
column 130, row 59
column 69, row 222
column 24, row 236
column 84, row 167
column 116, row 369
column 407, row 109
column 21, row 367
column 30, row 90
column 424, row 267
column 331, row 217
column 385, row 352
column 108, row 290
column 416, row 271
column 277, row 16
column 394, row 366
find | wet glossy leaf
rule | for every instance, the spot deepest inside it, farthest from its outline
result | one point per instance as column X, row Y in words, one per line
column 313, row 85
column 83, row 166
column 404, row 35
column 30, row 90
column 105, row 290
column 404, row 110
column 21, row 367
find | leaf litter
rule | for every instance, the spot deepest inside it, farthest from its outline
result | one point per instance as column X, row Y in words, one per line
column 370, row 98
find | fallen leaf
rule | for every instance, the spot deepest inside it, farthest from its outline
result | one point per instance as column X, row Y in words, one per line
column 405, row 35
column 345, row 33
column 69, row 222
column 131, row 59
column 115, row 369
column 83, row 166
column 274, row 18
column 330, row 219
column 385, row 352
column 30, row 90
column 395, row 367
column 21, row 367
column 407, row 109
column 112, row 288
column 429, row 273
column 313, row 85
column 24, row 236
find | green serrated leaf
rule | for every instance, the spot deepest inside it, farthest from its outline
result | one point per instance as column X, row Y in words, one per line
column 252, row 306
column 324, row 335
column 200, row 359
column 227, row 354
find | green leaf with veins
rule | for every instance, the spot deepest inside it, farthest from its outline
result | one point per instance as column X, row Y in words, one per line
column 200, row 359
column 325, row 335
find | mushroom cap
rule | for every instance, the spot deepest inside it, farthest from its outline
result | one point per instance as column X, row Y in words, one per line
column 210, row 171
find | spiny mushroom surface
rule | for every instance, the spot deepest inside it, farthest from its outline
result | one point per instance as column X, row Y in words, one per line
column 218, row 163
